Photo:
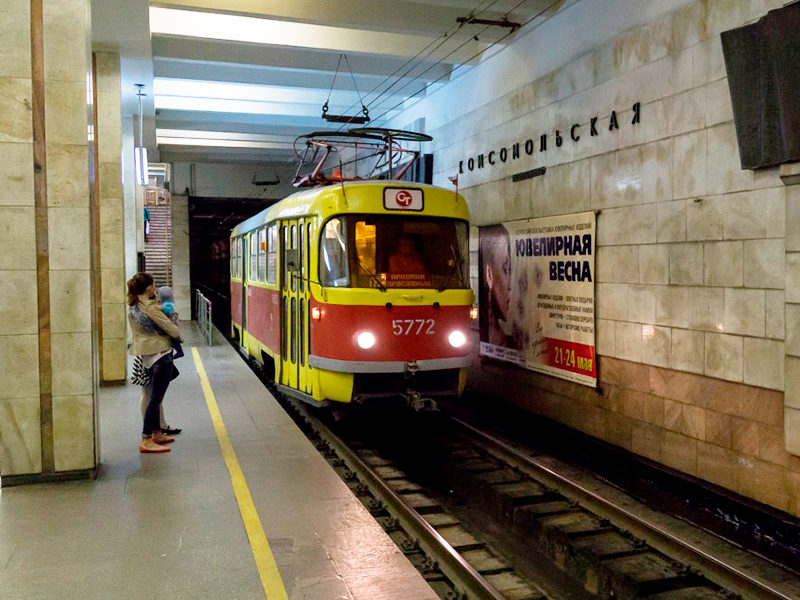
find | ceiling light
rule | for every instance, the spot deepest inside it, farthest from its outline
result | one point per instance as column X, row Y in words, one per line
column 179, row 141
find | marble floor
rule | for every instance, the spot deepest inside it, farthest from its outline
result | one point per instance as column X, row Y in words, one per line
column 168, row 526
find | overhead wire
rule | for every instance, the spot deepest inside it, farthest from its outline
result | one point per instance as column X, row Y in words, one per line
column 477, row 54
column 445, row 37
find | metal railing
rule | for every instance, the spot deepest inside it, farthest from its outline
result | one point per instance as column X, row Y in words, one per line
column 203, row 308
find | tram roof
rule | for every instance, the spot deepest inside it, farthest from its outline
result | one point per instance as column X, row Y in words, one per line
column 330, row 200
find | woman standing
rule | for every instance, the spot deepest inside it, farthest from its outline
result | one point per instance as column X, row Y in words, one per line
column 152, row 330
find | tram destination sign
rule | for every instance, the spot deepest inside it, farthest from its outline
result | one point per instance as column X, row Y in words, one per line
column 537, row 303
column 494, row 157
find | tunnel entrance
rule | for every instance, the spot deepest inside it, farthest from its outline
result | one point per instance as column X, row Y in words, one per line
column 210, row 224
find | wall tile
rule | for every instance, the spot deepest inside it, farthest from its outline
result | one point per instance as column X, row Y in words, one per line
column 672, row 221
column 72, row 364
column 67, row 175
column 656, row 346
column 606, row 338
column 689, row 165
column 764, row 482
column 718, row 103
column 111, row 181
column 724, row 264
column 745, row 216
column 718, row 429
column 70, row 307
column 629, row 341
column 15, row 58
column 745, row 312
column 73, row 432
column 108, row 72
column 764, row 264
column 15, row 118
column 775, row 306
column 656, row 125
column 65, row 53
column 688, row 350
column 612, row 301
column 65, row 107
column 69, row 238
column 16, row 174
column 20, row 437
column 618, row 264
column 793, row 216
column 113, row 285
column 679, row 452
column 657, row 171
column 646, row 440
column 725, row 173
column 763, row 363
column 114, row 359
column 693, row 422
column 744, row 436
column 629, row 175
column 18, row 303
column 771, row 444
column 708, row 61
column 775, row 205
column 724, row 15
column 792, row 381
column 792, row 276
column 705, row 218
column 793, row 329
column 717, row 465
column 724, row 356
column 19, row 354
column 706, row 309
column 672, row 306
column 654, row 264
column 686, row 264
column 688, row 111
column 604, row 180
column 17, row 238
column 792, row 430
column 641, row 304
column 642, row 224
column 114, row 320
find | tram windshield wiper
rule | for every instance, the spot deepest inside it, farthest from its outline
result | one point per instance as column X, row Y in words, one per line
column 372, row 275
column 458, row 264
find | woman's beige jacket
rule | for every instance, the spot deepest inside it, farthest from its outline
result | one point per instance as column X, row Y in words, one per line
column 143, row 342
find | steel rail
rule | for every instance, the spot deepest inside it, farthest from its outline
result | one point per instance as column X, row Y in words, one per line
column 459, row 571
column 721, row 573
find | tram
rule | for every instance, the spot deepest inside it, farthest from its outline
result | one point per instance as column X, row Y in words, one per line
column 356, row 290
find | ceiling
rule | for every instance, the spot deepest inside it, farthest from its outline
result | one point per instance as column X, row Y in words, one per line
column 239, row 80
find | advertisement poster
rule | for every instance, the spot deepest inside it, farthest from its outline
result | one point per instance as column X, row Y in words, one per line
column 537, row 295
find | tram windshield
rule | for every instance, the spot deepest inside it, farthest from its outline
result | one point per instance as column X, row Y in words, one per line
column 377, row 251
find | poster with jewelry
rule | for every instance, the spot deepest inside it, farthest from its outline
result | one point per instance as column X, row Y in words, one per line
column 537, row 300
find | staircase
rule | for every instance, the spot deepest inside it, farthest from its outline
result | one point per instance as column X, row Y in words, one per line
column 158, row 244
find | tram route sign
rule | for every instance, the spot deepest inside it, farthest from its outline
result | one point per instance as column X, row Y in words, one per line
column 403, row 199
column 537, row 300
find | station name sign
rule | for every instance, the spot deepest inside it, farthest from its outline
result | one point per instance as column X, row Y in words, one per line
column 529, row 146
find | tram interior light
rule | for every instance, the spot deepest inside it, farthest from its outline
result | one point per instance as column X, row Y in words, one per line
column 457, row 339
column 473, row 313
column 366, row 340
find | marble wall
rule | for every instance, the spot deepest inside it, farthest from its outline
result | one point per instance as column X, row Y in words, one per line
column 692, row 272
column 181, row 276
column 112, row 217
column 46, row 350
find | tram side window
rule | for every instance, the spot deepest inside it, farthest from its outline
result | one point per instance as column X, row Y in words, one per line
column 233, row 257
column 272, row 254
column 253, row 256
column 333, row 255
column 262, row 254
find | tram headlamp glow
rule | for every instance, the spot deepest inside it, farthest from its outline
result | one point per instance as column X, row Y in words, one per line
column 366, row 340
column 457, row 339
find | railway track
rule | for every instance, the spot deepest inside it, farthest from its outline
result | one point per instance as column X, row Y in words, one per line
column 594, row 547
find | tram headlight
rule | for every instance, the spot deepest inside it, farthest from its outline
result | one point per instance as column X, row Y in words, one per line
column 366, row 340
column 457, row 339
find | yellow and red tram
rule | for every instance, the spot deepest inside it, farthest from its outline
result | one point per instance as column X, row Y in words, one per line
column 356, row 290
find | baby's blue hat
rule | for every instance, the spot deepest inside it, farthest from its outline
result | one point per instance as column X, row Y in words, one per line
column 165, row 293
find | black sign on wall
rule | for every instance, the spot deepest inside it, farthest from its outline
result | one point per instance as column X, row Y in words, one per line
column 557, row 139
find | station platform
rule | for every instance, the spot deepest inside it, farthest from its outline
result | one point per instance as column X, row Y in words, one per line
column 177, row 525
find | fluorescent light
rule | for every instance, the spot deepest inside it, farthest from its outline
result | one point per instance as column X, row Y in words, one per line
column 179, row 141
column 140, row 166
column 258, row 93
column 253, row 30
column 224, row 135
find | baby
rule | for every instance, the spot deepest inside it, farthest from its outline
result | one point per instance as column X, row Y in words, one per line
column 167, row 298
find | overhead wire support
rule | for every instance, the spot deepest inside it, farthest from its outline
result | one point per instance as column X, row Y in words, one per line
column 522, row 25
column 344, row 118
column 478, row 10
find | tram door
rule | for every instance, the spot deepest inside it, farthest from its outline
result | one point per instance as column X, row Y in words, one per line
column 244, row 252
column 294, row 306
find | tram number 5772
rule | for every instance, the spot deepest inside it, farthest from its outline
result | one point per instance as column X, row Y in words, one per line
column 413, row 326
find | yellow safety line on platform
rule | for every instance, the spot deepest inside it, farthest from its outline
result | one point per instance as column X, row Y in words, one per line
column 265, row 562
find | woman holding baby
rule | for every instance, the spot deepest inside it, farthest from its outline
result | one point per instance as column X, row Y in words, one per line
column 152, row 333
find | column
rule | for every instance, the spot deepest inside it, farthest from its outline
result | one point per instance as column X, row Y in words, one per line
column 112, row 248
column 47, row 304
column 790, row 175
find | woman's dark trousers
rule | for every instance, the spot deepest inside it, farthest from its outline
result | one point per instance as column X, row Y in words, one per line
column 160, row 376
